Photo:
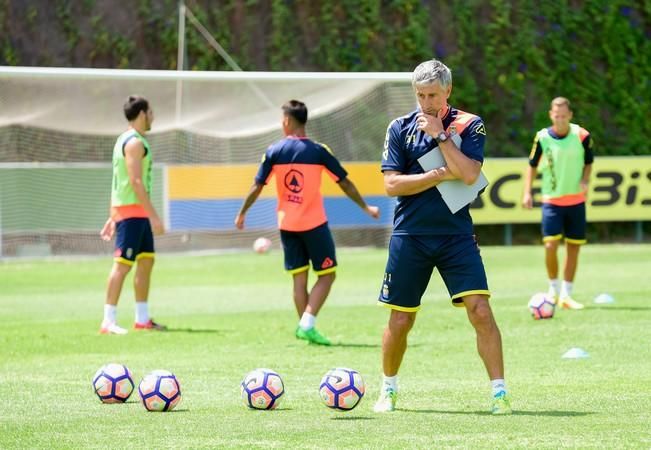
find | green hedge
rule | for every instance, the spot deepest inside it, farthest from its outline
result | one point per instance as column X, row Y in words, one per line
column 508, row 58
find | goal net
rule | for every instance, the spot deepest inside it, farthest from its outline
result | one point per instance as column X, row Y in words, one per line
column 58, row 128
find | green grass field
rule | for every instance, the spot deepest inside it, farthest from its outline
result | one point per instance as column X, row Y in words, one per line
column 231, row 313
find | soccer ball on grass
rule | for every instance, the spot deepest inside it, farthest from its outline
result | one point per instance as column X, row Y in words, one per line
column 160, row 391
column 113, row 383
column 342, row 389
column 262, row 389
column 542, row 306
column 262, row 245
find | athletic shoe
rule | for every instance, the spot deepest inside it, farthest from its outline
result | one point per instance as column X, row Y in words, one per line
column 386, row 402
column 150, row 325
column 569, row 303
column 111, row 328
column 501, row 405
column 552, row 294
column 312, row 336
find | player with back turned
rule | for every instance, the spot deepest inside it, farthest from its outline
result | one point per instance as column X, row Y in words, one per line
column 297, row 162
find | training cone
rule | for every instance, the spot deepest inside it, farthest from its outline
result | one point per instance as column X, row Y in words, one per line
column 575, row 353
column 604, row 299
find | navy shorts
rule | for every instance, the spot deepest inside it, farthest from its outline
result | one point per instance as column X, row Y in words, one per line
column 133, row 240
column 316, row 245
column 568, row 221
column 412, row 260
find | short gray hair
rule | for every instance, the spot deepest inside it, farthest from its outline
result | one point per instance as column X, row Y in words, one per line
column 431, row 71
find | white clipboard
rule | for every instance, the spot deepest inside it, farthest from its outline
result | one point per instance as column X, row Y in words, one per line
column 455, row 193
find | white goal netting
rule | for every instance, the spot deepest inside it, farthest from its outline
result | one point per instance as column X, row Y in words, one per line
column 58, row 127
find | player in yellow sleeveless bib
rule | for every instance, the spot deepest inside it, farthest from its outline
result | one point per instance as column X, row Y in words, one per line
column 133, row 218
column 563, row 155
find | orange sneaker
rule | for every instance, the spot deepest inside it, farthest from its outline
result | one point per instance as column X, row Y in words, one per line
column 150, row 325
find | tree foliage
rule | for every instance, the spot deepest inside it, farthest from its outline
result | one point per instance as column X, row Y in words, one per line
column 508, row 58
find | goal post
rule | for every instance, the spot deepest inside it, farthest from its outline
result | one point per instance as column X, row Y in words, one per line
column 58, row 127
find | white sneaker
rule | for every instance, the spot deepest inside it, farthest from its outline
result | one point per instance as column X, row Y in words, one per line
column 111, row 328
column 386, row 402
column 569, row 303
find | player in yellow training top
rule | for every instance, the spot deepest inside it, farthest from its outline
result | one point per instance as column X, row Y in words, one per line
column 563, row 155
column 132, row 217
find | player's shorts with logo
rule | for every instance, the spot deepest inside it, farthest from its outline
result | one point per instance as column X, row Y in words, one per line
column 316, row 245
column 412, row 258
column 133, row 240
column 568, row 221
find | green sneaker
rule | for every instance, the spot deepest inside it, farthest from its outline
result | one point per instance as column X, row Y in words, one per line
column 312, row 336
column 386, row 402
column 501, row 405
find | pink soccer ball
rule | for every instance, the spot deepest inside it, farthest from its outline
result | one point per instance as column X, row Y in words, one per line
column 262, row 245
column 542, row 306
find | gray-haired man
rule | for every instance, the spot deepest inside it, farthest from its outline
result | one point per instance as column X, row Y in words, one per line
column 427, row 235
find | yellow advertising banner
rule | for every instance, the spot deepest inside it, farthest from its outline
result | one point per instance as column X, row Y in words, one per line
column 620, row 187
column 620, row 190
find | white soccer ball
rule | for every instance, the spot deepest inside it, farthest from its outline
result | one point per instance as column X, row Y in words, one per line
column 342, row 389
column 262, row 245
column 160, row 391
column 262, row 389
column 542, row 306
column 113, row 383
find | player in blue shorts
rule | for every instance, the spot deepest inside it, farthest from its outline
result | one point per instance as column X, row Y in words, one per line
column 297, row 164
column 133, row 219
column 427, row 235
column 563, row 154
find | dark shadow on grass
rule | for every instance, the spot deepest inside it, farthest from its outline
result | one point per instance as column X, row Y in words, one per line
column 194, row 330
column 352, row 418
column 515, row 413
column 269, row 410
column 619, row 308
column 351, row 345
column 554, row 413
column 174, row 411
column 138, row 401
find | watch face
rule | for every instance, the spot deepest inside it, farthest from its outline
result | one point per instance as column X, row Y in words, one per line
column 442, row 137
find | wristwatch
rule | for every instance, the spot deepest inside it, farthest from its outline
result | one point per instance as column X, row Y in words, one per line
column 442, row 137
